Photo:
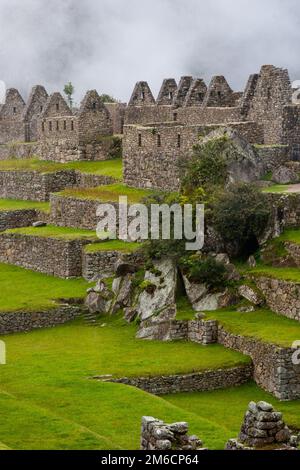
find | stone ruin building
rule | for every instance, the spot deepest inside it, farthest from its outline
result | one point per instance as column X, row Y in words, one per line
column 159, row 133
column 62, row 134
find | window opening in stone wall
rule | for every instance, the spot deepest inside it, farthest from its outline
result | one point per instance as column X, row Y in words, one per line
column 175, row 116
column 72, row 126
column 50, row 126
column 43, row 127
column 65, row 125
column 179, row 141
column 158, row 141
column 57, row 106
column 94, row 105
column 170, row 95
column 57, row 125
column 143, row 96
column 14, row 110
column 140, row 140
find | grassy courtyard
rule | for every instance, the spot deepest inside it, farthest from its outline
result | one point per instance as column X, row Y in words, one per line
column 113, row 245
column 46, row 390
column 24, row 290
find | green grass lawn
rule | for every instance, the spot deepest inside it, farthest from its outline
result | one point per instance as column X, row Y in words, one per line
column 285, row 274
column 280, row 188
column 108, row 193
column 25, row 290
column 262, row 324
column 14, row 204
column 185, row 310
column 228, row 406
column 48, row 401
column 113, row 245
column 290, row 236
column 111, row 168
column 52, row 231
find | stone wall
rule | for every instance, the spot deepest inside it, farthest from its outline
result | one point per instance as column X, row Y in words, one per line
column 74, row 212
column 273, row 367
column 282, row 297
column 156, row 435
column 286, row 210
column 18, row 322
column 19, row 151
column 33, row 185
column 151, row 154
column 53, row 256
column 117, row 116
column 103, row 262
column 17, row 218
column 273, row 156
column 196, row 382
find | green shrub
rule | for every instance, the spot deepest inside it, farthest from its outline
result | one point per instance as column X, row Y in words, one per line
column 241, row 215
column 205, row 271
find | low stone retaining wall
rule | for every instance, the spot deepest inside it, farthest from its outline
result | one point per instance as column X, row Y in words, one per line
column 197, row 331
column 17, row 218
column 103, row 262
column 18, row 322
column 274, row 370
column 53, row 256
column 157, row 435
column 19, row 151
column 196, row 382
column 282, row 297
column 73, row 212
column 33, row 185
column 88, row 180
column 294, row 250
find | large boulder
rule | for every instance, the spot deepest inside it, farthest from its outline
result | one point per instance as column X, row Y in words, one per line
column 285, row 175
column 243, row 163
column 202, row 299
column 159, row 290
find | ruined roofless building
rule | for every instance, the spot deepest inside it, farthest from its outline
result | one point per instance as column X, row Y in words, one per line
column 65, row 136
column 158, row 134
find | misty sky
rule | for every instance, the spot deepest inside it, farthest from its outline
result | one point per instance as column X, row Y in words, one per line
column 111, row 44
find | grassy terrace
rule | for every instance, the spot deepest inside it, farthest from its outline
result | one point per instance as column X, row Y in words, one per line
column 14, row 204
column 229, row 406
column 261, row 324
column 283, row 188
column 24, row 290
column 46, row 391
column 52, row 231
column 113, row 245
column 111, row 168
column 108, row 193
column 285, row 274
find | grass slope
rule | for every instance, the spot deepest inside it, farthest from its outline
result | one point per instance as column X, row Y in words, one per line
column 15, row 204
column 229, row 406
column 262, row 324
column 25, row 290
column 285, row 274
column 52, row 231
column 111, row 168
column 113, row 245
column 108, row 193
column 48, row 402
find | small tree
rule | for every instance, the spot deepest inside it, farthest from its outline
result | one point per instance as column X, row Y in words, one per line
column 69, row 91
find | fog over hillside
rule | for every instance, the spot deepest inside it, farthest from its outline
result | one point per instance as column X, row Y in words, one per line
column 110, row 44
